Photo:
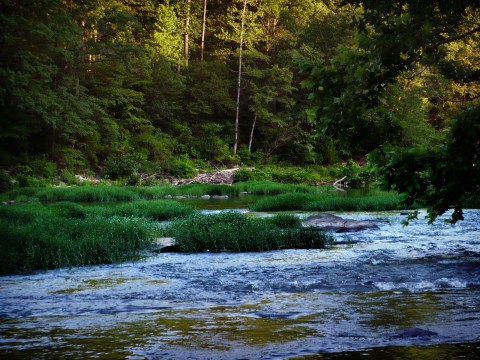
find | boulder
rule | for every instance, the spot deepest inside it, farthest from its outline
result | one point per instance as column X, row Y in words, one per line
column 165, row 244
column 329, row 222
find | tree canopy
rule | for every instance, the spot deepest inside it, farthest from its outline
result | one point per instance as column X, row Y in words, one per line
column 87, row 84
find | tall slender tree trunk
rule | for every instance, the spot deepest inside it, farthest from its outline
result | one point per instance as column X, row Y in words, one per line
column 239, row 85
column 251, row 134
column 204, row 20
column 187, row 29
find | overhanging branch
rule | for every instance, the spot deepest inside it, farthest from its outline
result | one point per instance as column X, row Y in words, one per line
column 457, row 37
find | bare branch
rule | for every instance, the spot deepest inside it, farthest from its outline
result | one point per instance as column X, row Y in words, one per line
column 457, row 37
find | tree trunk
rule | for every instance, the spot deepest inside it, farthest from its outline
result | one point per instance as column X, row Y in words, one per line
column 251, row 134
column 237, row 115
column 187, row 29
column 204, row 20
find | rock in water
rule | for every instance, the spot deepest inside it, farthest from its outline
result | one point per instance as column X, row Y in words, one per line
column 329, row 222
column 165, row 244
column 415, row 333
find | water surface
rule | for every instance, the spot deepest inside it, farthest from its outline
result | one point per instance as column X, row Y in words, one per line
column 349, row 301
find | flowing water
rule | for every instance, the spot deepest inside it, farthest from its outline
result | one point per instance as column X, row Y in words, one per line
column 392, row 293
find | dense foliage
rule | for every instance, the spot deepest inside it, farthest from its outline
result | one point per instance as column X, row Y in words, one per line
column 124, row 87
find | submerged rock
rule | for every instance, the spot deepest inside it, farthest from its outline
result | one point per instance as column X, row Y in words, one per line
column 415, row 333
column 337, row 224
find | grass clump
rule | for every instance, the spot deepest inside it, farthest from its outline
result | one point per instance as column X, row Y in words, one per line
column 98, row 193
column 103, row 193
column 273, row 188
column 34, row 236
column 159, row 210
column 378, row 201
column 67, row 209
column 235, row 232
column 283, row 202
column 285, row 221
column 327, row 201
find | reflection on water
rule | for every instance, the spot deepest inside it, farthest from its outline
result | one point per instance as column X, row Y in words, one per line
column 397, row 293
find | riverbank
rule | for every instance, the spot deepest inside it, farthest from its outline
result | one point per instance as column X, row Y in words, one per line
column 48, row 228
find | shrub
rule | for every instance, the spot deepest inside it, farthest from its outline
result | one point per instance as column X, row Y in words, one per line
column 244, row 175
column 24, row 180
column 41, row 167
column 6, row 181
column 68, row 177
column 122, row 166
column 134, row 179
column 182, row 167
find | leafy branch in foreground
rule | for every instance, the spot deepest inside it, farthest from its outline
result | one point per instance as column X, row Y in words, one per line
column 445, row 177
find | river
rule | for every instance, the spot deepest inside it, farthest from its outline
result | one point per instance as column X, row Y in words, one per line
column 392, row 293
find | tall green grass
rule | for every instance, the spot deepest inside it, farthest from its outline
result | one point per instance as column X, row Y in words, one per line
column 235, row 232
column 45, row 236
column 49, row 242
column 375, row 201
column 274, row 188
column 102, row 193
column 153, row 209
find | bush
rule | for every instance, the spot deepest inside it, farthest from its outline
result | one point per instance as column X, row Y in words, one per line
column 122, row 166
column 134, row 179
column 24, row 180
column 6, row 181
column 182, row 167
column 357, row 175
column 294, row 175
column 244, row 175
column 68, row 177
column 41, row 167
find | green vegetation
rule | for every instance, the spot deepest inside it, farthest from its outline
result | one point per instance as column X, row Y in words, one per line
column 235, row 232
column 45, row 236
column 331, row 201
column 159, row 210
column 36, row 236
column 60, row 233
column 103, row 193
column 272, row 188
column 33, row 236
column 123, row 90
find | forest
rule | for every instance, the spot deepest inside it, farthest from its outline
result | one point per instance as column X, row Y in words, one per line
column 122, row 87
